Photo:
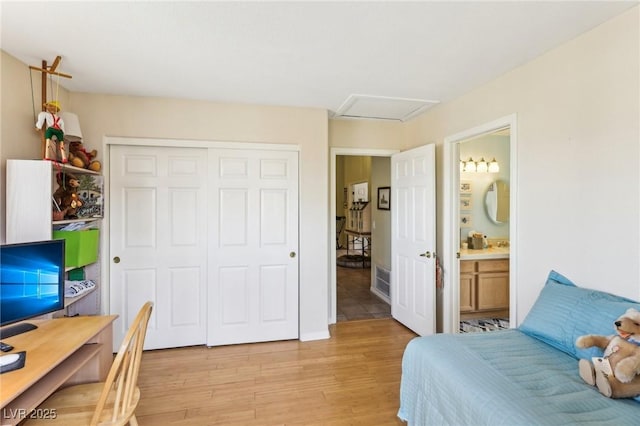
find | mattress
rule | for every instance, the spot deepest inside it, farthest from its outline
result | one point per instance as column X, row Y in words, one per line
column 500, row 378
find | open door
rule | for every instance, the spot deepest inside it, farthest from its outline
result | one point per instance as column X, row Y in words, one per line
column 413, row 239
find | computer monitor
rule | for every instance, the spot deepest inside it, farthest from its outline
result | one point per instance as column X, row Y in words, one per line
column 31, row 283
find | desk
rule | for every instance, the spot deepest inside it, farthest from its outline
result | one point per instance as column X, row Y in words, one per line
column 61, row 351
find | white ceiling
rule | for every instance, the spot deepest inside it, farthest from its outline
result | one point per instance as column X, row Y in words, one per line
column 307, row 54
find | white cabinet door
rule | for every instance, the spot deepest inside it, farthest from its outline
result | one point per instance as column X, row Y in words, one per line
column 253, row 246
column 28, row 200
column 158, row 242
column 413, row 239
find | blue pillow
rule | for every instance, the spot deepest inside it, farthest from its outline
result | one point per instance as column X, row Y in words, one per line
column 563, row 312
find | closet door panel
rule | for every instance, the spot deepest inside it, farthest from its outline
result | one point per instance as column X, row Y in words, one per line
column 158, row 241
column 233, row 224
column 256, row 232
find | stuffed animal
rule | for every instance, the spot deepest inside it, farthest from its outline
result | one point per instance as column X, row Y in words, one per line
column 80, row 157
column 66, row 196
column 617, row 372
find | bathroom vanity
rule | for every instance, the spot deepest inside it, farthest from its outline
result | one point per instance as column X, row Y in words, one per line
column 484, row 283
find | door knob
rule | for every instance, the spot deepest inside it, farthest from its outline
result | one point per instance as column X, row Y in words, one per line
column 292, row 254
column 116, row 259
column 426, row 254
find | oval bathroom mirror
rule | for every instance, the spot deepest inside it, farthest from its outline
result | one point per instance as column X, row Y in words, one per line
column 496, row 201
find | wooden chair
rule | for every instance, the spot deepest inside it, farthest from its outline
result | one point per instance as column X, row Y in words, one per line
column 108, row 403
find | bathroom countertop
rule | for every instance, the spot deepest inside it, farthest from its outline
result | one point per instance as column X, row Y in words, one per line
column 488, row 253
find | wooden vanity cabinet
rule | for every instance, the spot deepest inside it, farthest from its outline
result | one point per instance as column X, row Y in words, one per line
column 484, row 287
column 467, row 286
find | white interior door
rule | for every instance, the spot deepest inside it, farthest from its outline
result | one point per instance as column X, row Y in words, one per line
column 253, row 237
column 158, row 245
column 413, row 239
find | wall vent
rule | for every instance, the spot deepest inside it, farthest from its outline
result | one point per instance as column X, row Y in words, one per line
column 382, row 281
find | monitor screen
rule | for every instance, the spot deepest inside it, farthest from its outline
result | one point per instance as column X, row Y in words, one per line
column 31, row 280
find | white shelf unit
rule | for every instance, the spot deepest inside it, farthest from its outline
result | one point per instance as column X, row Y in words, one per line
column 30, row 187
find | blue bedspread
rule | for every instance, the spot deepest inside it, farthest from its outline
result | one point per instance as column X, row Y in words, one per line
column 500, row 378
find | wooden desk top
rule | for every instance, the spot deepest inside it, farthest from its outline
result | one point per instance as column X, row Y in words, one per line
column 47, row 346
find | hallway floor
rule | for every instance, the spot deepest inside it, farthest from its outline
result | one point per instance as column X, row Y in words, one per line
column 354, row 297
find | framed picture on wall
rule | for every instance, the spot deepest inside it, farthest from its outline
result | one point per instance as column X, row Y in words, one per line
column 465, row 187
column 384, row 198
column 465, row 220
column 465, row 203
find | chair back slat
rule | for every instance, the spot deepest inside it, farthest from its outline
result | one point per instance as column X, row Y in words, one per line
column 120, row 388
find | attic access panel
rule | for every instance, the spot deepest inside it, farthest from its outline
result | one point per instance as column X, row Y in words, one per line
column 382, row 107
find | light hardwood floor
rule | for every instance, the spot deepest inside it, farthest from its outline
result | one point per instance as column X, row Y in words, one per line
column 353, row 378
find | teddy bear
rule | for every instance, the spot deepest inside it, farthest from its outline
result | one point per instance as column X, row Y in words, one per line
column 617, row 373
column 66, row 196
column 80, row 157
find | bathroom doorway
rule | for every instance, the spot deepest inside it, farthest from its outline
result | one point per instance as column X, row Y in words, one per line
column 484, row 237
column 480, row 238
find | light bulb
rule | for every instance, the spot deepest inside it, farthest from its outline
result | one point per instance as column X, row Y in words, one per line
column 470, row 166
column 493, row 166
column 482, row 166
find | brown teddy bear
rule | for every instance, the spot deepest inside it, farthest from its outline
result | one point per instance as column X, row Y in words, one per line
column 66, row 196
column 617, row 372
column 80, row 157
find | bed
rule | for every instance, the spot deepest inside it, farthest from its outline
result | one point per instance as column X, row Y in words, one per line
column 524, row 376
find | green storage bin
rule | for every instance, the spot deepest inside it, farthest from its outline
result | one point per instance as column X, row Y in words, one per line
column 80, row 247
column 76, row 274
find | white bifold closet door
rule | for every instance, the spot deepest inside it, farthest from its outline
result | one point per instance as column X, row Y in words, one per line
column 207, row 234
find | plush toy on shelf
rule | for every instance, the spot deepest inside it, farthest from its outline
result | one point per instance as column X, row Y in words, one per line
column 66, row 196
column 617, row 372
column 80, row 157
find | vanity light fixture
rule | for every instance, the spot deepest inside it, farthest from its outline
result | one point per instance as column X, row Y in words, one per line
column 494, row 167
column 481, row 166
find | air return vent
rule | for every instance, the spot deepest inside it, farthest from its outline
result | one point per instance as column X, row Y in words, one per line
column 382, row 282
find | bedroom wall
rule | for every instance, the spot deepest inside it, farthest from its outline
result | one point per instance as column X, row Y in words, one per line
column 184, row 119
column 578, row 159
column 370, row 134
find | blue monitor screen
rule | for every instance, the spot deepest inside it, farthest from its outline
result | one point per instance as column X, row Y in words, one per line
column 31, row 279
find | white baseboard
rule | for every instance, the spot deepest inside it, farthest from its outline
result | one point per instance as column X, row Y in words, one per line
column 319, row 335
column 381, row 295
